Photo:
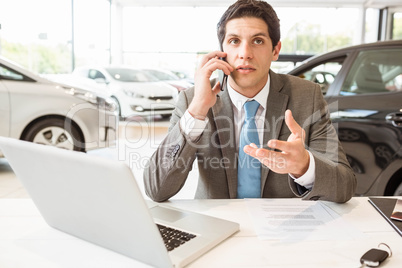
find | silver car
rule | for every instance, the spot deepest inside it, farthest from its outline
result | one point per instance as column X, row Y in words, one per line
column 135, row 91
column 35, row 109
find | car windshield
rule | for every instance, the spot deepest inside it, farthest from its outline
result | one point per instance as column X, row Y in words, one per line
column 130, row 75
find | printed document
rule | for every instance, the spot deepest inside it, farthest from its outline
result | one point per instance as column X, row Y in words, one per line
column 284, row 219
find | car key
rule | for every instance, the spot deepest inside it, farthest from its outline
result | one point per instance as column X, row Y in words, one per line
column 374, row 257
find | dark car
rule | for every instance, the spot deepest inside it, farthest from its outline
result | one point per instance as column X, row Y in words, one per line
column 365, row 101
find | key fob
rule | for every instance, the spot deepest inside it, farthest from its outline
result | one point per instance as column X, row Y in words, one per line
column 374, row 257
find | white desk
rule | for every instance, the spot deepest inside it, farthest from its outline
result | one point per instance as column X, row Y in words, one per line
column 27, row 241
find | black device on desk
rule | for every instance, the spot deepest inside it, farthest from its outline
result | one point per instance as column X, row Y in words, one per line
column 385, row 206
column 375, row 256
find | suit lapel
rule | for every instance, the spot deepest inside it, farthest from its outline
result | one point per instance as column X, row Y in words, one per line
column 274, row 117
column 223, row 116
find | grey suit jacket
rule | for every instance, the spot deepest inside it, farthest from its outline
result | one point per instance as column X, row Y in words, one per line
column 216, row 152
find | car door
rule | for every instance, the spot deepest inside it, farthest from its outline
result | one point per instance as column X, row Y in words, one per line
column 367, row 110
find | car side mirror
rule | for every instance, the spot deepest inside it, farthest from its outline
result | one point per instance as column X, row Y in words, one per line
column 101, row 81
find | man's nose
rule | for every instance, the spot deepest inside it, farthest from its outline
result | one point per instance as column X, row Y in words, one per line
column 245, row 51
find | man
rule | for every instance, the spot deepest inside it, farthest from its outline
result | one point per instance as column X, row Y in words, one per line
column 300, row 154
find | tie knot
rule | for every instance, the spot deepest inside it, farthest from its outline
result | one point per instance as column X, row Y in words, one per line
column 251, row 108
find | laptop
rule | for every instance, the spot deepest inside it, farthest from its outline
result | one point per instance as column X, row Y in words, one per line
column 98, row 200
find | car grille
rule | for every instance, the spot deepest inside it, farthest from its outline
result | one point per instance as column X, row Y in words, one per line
column 161, row 98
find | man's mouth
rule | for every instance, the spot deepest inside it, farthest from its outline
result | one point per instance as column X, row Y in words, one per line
column 245, row 68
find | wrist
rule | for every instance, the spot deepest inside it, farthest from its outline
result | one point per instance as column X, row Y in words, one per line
column 197, row 112
column 305, row 167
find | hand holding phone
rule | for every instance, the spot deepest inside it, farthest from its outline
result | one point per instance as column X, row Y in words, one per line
column 205, row 94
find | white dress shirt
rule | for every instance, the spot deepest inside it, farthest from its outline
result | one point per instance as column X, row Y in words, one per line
column 194, row 127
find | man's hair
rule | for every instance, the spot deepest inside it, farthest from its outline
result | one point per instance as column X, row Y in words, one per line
column 251, row 8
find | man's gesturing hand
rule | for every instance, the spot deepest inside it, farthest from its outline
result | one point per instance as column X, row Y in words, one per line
column 291, row 158
column 204, row 95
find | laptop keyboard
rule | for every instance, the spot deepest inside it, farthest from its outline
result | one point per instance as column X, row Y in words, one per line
column 174, row 238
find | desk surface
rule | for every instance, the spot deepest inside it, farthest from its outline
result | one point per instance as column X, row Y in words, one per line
column 27, row 241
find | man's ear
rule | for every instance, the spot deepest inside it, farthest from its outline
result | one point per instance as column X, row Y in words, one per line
column 275, row 52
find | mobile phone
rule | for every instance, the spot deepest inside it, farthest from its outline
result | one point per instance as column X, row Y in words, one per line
column 223, row 78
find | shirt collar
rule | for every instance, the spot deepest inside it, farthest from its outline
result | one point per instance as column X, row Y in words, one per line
column 238, row 99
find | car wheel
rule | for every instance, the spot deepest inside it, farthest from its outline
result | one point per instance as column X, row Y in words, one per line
column 355, row 165
column 384, row 151
column 398, row 191
column 51, row 131
column 348, row 135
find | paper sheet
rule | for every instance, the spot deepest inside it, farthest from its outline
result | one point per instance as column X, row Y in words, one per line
column 284, row 219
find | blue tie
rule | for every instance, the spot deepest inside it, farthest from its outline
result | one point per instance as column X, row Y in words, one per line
column 249, row 168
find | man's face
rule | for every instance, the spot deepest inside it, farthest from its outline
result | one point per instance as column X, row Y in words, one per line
column 249, row 51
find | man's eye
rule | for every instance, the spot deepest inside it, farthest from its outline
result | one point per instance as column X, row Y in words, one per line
column 258, row 41
column 233, row 41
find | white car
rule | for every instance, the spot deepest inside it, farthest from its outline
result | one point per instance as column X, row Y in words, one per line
column 35, row 109
column 135, row 92
column 170, row 78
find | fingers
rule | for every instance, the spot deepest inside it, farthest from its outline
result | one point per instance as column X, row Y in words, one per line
column 280, row 145
column 212, row 61
column 280, row 162
column 292, row 147
column 273, row 160
column 212, row 55
column 288, row 156
column 217, row 88
column 216, row 63
column 292, row 124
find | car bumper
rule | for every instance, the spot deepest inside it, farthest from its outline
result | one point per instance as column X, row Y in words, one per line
column 147, row 107
column 140, row 110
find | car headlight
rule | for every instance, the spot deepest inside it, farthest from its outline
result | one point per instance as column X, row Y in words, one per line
column 107, row 104
column 82, row 94
column 133, row 94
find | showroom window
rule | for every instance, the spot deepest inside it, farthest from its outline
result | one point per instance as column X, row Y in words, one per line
column 65, row 34
column 376, row 71
column 37, row 34
column 397, row 26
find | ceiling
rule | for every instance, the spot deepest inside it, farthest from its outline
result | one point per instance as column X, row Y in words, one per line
column 275, row 3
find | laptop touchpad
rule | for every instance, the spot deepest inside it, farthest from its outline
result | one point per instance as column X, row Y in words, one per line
column 166, row 214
